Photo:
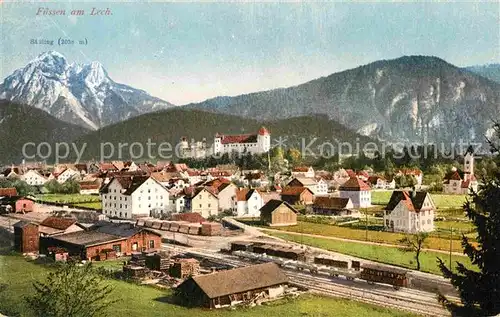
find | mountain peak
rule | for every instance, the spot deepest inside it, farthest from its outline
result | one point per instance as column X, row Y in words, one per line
column 82, row 94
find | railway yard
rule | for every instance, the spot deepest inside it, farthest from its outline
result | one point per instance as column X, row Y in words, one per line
column 419, row 297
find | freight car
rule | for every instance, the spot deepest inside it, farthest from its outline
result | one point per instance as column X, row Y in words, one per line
column 379, row 274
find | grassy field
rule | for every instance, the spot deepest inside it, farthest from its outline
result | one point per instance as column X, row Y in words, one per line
column 94, row 205
column 393, row 256
column 372, row 235
column 68, row 198
column 17, row 276
column 442, row 201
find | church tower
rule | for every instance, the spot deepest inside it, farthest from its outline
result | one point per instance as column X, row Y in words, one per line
column 469, row 163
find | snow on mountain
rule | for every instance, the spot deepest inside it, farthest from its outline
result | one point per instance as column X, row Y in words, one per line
column 82, row 94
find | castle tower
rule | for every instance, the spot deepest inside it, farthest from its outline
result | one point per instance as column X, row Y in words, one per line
column 264, row 140
column 217, row 143
column 468, row 163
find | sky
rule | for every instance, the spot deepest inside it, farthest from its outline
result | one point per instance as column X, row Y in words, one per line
column 189, row 52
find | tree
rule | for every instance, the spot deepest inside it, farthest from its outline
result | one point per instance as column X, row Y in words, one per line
column 71, row 291
column 414, row 243
column 293, row 156
column 479, row 287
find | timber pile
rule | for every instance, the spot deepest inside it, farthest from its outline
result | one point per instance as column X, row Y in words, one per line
column 211, row 229
column 138, row 259
column 134, row 271
column 184, row 228
column 157, row 262
column 156, row 225
column 184, row 268
column 165, row 225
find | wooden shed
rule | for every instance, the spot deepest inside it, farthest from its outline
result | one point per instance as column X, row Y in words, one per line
column 229, row 287
column 26, row 237
column 278, row 213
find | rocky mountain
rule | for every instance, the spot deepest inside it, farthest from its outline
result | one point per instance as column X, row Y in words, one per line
column 82, row 94
column 412, row 98
column 490, row 71
column 22, row 124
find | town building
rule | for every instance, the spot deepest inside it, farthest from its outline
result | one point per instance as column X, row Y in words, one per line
column 303, row 171
column 462, row 181
column 34, row 178
column 243, row 143
column 415, row 172
column 226, row 288
column 379, row 182
column 195, row 149
column 278, row 213
column 203, row 200
column 59, row 225
column 358, row 191
column 297, row 195
column 310, row 183
column 131, row 197
column 121, row 238
column 409, row 212
column 334, row 206
column 16, row 204
column 248, row 202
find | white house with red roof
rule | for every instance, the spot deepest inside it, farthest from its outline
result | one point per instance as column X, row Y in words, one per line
column 358, row 191
column 409, row 212
column 303, row 171
column 248, row 202
column 461, row 182
column 249, row 143
column 415, row 172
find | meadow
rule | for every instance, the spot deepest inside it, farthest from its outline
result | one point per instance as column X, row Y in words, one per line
column 383, row 254
column 17, row 276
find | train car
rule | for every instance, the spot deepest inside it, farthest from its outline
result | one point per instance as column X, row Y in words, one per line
column 336, row 272
column 312, row 268
column 241, row 246
column 379, row 274
column 328, row 261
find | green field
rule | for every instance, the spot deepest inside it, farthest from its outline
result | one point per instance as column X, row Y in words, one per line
column 442, row 201
column 376, row 253
column 433, row 241
column 94, row 205
column 17, row 275
column 68, row 198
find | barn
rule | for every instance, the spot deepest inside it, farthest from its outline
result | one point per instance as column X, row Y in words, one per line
column 278, row 213
column 229, row 287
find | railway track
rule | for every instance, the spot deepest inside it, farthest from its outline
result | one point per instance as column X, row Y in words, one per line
column 410, row 300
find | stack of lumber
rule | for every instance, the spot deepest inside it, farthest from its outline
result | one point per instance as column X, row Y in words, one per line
column 138, row 259
column 157, row 262
column 194, row 228
column 211, row 229
column 184, row 228
column 184, row 268
column 156, row 225
column 165, row 225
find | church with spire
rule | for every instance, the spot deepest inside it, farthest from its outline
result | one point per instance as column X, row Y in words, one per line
column 461, row 181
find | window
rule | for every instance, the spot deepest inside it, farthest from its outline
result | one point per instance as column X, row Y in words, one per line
column 208, row 205
column 117, row 248
column 135, row 245
column 151, row 244
column 200, row 205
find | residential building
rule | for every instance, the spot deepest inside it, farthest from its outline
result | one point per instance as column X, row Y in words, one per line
column 195, row 149
column 16, row 204
column 278, row 213
column 204, row 201
column 249, row 202
column 68, row 174
column 34, row 178
column 380, row 182
column 310, row 183
column 243, row 143
column 334, row 206
column 358, row 191
column 303, row 171
column 226, row 288
column 297, row 195
column 409, row 212
column 130, row 197
column 415, row 172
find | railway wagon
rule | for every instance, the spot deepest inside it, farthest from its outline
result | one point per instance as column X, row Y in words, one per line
column 378, row 274
column 241, row 246
column 331, row 262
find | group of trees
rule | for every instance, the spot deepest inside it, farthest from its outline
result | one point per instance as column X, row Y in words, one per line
column 23, row 189
column 70, row 186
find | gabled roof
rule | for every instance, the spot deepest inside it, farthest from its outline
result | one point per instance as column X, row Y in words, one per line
column 331, row 202
column 60, row 223
column 271, row 205
column 354, row 184
column 240, row 280
column 129, row 183
column 244, row 194
column 8, row 191
column 301, row 169
column 125, row 230
column 413, row 200
column 294, row 191
column 23, row 223
column 305, row 181
column 209, row 189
